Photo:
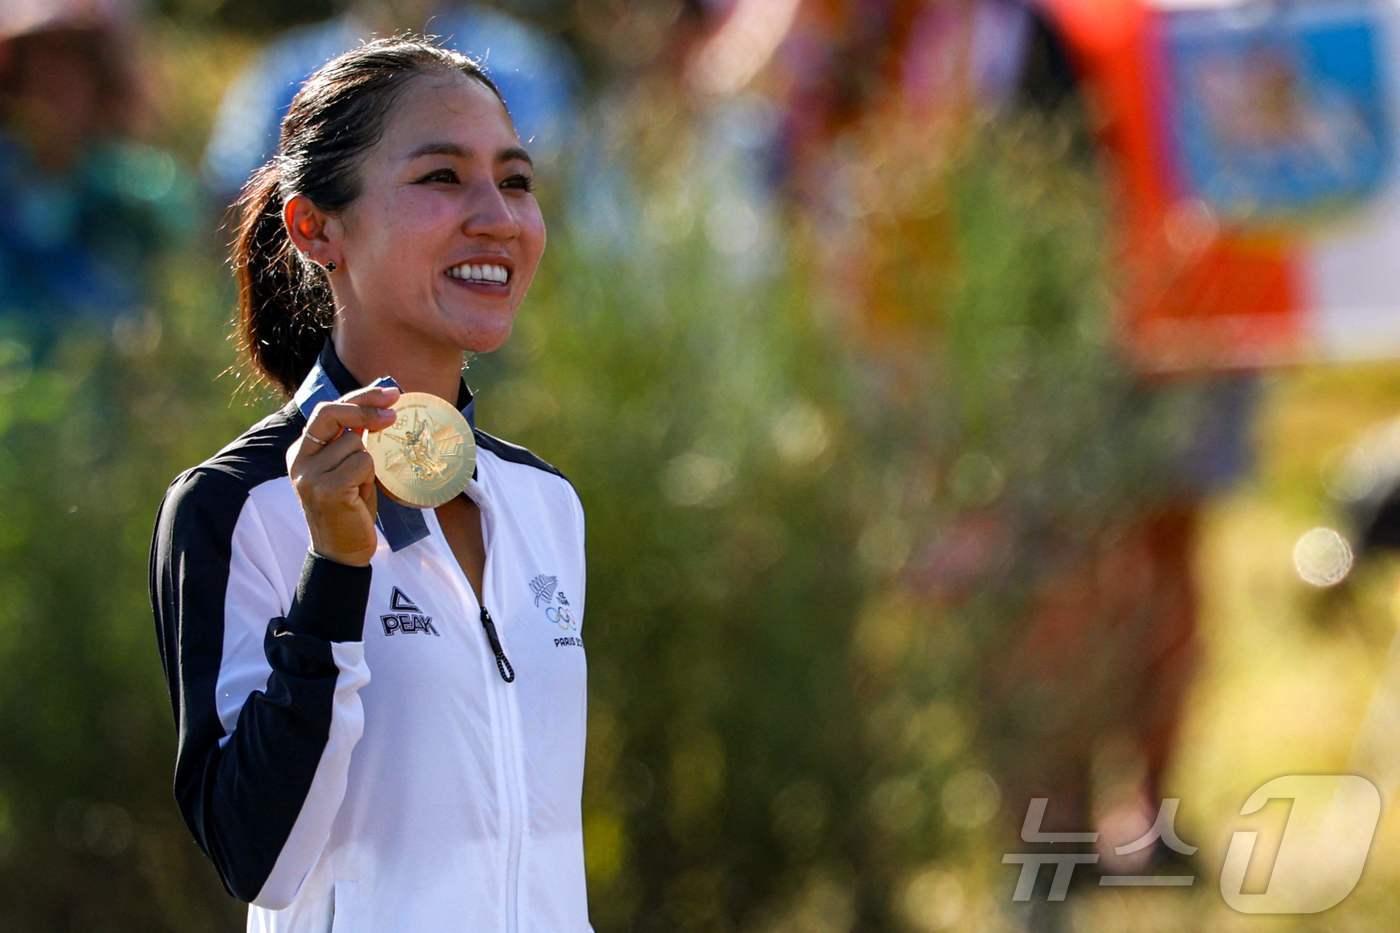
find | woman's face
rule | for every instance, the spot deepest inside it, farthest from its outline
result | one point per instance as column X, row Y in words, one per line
column 443, row 241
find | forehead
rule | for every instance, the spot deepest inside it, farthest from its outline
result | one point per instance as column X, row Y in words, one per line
column 451, row 107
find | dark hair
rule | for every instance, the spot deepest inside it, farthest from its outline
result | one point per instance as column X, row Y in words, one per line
column 284, row 300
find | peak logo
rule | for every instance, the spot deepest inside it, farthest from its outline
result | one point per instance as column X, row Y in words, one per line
column 407, row 618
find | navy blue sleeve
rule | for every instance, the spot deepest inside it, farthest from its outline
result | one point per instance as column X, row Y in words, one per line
column 258, row 793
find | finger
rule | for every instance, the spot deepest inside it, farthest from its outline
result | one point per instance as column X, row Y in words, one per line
column 309, row 455
column 369, row 497
column 380, row 396
column 368, row 397
column 332, row 456
column 338, row 488
column 352, row 472
column 310, row 464
column 331, row 419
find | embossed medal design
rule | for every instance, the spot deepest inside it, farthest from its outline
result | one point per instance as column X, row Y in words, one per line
column 426, row 457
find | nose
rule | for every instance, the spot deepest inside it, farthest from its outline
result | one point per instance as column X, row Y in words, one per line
column 489, row 214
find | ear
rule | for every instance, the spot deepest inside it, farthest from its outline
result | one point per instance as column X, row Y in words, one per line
column 314, row 232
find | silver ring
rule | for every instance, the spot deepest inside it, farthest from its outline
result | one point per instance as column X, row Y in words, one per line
column 319, row 442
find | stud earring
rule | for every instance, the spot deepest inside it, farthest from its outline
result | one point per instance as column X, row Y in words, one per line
column 330, row 266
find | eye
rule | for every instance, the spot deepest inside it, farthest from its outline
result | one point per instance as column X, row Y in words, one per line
column 446, row 175
column 519, row 182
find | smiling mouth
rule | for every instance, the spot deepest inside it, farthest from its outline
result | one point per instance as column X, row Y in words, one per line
column 487, row 273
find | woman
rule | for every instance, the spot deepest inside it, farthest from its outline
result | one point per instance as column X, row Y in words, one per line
column 381, row 709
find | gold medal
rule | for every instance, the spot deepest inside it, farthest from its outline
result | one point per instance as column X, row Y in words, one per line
column 426, row 457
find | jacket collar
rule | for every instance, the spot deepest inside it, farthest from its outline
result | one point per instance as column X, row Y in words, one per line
column 328, row 380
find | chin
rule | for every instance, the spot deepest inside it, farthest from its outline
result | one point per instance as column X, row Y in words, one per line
column 487, row 339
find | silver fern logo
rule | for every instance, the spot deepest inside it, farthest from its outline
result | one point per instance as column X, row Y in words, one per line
column 543, row 588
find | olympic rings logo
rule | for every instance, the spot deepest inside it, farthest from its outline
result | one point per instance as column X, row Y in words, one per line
column 562, row 617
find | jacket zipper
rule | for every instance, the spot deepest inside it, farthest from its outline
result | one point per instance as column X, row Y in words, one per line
column 514, row 819
column 502, row 662
column 514, row 816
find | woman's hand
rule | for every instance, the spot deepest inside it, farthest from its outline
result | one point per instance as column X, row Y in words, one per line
column 333, row 474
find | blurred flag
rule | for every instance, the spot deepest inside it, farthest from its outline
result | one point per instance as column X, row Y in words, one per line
column 1254, row 145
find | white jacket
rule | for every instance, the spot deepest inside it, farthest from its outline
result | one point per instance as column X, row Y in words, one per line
column 369, row 749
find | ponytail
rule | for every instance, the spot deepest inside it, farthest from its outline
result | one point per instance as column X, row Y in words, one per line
column 284, row 309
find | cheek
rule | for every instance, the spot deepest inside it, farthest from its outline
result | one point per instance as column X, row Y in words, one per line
column 392, row 230
column 419, row 212
column 405, row 207
column 532, row 231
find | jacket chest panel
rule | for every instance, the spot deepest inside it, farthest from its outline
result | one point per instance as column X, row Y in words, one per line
column 425, row 641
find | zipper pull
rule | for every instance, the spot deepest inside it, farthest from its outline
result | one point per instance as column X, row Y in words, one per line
column 502, row 662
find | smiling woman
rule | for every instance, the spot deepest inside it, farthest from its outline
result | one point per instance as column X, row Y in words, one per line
column 442, row 242
column 378, row 728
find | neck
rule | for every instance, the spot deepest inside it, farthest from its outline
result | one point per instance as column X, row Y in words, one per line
column 436, row 370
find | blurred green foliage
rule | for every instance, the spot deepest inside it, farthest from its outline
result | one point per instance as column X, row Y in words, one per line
column 89, row 434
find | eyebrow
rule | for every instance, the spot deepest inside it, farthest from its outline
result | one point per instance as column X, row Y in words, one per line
column 508, row 154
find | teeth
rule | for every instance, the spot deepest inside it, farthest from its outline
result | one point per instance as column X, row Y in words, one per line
column 488, row 272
